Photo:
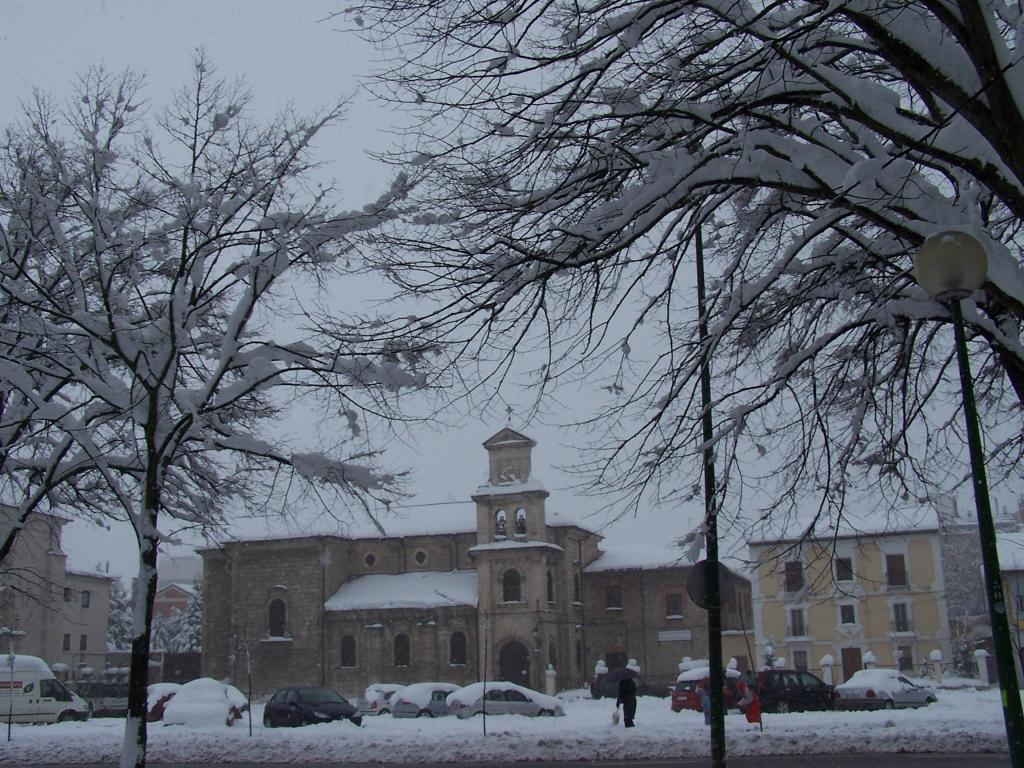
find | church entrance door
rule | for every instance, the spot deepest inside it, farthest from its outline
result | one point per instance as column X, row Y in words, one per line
column 514, row 663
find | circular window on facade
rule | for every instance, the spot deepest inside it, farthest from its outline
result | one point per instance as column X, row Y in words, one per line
column 370, row 559
column 421, row 557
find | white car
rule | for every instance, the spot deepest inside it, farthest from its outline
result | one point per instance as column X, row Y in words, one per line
column 205, row 702
column 376, row 698
column 881, row 689
column 501, row 698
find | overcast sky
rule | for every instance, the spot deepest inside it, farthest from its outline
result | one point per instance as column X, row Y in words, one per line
column 288, row 53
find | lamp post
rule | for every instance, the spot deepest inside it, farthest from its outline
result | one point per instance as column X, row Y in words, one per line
column 950, row 266
column 712, row 596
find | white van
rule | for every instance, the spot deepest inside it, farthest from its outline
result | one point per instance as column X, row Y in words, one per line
column 29, row 693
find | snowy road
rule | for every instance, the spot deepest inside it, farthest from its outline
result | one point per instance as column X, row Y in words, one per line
column 894, row 760
column 962, row 721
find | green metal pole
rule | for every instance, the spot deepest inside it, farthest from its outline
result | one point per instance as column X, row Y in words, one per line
column 714, row 602
column 1008, row 688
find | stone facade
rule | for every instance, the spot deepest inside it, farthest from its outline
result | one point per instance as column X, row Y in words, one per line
column 528, row 592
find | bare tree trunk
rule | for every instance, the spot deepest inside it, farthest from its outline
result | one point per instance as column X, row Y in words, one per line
column 133, row 748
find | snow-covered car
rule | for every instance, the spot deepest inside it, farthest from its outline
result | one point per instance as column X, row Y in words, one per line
column 881, row 689
column 422, row 700
column 502, row 698
column 308, row 705
column 684, row 695
column 205, row 702
column 157, row 696
column 376, row 698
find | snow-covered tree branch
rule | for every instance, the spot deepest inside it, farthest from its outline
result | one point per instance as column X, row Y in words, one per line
column 569, row 156
column 140, row 263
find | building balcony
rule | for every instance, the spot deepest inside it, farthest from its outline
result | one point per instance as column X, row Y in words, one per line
column 902, row 630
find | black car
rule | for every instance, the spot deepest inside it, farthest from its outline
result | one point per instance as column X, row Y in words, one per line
column 607, row 685
column 306, row 706
column 104, row 699
column 788, row 690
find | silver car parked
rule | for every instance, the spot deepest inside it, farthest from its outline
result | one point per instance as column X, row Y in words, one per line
column 502, row 698
column 421, row 700
column 882, row 689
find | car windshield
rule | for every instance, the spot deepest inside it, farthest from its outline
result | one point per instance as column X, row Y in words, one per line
column 321, row 696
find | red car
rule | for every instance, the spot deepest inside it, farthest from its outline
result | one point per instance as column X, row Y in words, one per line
column 684, row 696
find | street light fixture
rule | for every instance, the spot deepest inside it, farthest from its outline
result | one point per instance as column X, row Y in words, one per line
column 950, row 266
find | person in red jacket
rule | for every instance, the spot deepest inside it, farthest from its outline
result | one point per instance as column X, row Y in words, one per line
column 749, row 703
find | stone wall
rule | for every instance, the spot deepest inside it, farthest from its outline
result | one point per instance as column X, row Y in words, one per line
column 429, row 632
column 242, row 579
column 240, row 587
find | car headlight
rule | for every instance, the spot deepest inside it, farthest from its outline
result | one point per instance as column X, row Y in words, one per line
column 321, row 715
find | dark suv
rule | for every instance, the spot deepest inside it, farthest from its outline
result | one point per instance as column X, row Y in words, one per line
column 787, row 690
column 607, row 686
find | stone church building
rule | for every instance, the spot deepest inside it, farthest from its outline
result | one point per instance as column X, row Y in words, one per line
column 519, row 592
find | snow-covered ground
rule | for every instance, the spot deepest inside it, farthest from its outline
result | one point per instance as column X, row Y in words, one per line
column 962, row 721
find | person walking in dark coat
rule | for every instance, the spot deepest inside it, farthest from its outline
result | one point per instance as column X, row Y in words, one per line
column 627, row 700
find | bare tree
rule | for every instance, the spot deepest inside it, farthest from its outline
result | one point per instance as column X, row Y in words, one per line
column 151, row 257
column 571, row 160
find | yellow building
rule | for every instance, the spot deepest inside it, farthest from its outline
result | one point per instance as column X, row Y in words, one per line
column 1011, row 562
column 844, row 596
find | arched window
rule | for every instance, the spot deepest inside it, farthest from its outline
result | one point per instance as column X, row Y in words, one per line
column 577, row 593
column 401, row 650
column 551, row 588
column 457, row 649
column 511, row 586
column 520, row 522
column 500, row 523
column 348, row 651
column 277, row 619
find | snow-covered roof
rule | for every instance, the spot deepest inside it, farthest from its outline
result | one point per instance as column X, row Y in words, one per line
column 622, row 558
column 529, row 485
column 846, row 532
column 558, row 517
column 514, row 544
column 91, row 575
column 420, row 589
column 1011, row 551
column 186, row 588
column 435, row 519
column 508, row 436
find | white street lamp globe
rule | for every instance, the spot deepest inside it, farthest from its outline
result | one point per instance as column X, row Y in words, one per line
column 951, row 265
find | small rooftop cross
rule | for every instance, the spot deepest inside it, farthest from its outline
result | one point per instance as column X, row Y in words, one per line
column 508, row 410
